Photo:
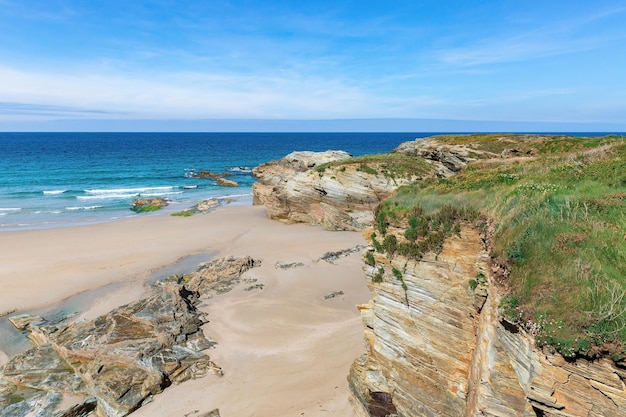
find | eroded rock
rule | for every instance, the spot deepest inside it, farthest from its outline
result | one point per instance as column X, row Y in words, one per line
column 331, row 257
column 337, row 198
column 439, row 348
column 448, row 159
column 287, row 265
column 207, row 205
column 23, row 321
column 148, row 204
column 227, row 183
column 119, row 360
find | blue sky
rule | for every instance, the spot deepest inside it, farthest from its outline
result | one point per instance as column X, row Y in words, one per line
column 89, row 61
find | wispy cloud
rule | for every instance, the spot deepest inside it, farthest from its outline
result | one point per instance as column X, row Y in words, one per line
column 555, row 38
column 520, row 96
column 48, row 12
column 197, row 95
column 33, row 109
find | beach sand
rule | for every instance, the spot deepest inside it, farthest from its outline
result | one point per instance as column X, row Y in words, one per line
column 285, row 350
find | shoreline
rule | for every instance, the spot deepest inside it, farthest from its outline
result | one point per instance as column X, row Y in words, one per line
column 89, row 218
column 307, row 343
column 119, row 250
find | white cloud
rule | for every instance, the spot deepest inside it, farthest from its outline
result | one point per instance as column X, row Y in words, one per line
column 554, row 38
column 198, row 95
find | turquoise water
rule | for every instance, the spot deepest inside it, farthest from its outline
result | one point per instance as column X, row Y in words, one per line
column 60, row 179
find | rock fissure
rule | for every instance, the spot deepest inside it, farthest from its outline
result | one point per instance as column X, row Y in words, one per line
column 608, row 397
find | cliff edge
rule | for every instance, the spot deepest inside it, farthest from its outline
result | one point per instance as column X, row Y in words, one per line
column 496, row 267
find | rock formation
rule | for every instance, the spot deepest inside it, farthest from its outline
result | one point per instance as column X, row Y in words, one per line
column 209, row 174
column 119, row 360
column 343, row 195
column 340, row 197
column 148, row 204
column 218, row 177
column 206, row 205
column 446, row 159
column 433, row 350
column 436, row 342
column 226, row 183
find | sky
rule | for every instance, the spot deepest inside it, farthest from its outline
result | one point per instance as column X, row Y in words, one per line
column 270, row 64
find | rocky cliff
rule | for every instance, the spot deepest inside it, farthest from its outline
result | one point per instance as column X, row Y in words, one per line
column 436, row 338
column 329, row 188
column 437, row 347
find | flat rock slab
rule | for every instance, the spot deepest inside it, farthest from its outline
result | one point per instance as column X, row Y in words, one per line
column 22, row 321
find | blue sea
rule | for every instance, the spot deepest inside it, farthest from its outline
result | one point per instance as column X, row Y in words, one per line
column 65, row 179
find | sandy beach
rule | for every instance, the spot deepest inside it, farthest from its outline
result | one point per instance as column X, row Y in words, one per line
column 285, row 350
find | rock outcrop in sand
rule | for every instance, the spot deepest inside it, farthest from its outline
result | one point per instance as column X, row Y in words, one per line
column 148, row 204
column 112, row 365
column 340, row 197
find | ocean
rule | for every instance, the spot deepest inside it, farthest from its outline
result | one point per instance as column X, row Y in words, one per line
column 66, row 179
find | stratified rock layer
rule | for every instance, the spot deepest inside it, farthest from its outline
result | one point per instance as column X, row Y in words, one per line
column 119, row 360
column 432, row 352
column 338, row 198
column 447, row 159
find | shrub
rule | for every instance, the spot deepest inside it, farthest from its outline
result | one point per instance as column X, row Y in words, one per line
column 378, row 276
column 509, row 307
column 390, row 244
column 377, row 246
column 396, row 273
column 410, row 234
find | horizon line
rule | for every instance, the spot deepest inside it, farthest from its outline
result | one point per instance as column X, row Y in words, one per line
column 243, row 125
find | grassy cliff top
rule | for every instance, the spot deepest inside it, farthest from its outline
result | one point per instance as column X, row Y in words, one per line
column 554, row 208
column 392, row 165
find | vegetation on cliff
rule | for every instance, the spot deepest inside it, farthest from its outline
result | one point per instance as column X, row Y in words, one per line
column 390, row 165
column 553, row 212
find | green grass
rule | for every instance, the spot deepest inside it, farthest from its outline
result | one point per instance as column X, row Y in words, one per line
column 184, row 213
column 560, row 230
column 535, row 144
column 14, row 399
column 390, row 165
column 145, row 209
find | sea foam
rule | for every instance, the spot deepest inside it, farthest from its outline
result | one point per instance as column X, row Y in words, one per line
column 83, row 208
column 131, row 191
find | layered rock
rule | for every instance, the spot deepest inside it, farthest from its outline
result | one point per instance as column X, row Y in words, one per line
column 436, row 342
column 339, row 197
column 420, row 340
column 447, row 159
column 119, row 360
column 438, row 348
